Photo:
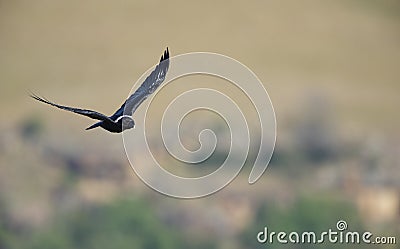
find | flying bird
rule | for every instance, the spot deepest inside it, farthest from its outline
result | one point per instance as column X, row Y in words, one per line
column 120, row 121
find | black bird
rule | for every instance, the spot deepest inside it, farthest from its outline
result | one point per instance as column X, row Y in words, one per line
column 118, row 122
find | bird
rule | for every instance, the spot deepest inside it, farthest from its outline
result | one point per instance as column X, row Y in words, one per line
column 122, row 118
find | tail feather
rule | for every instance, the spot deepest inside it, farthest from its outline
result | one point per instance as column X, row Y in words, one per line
column 93, row 126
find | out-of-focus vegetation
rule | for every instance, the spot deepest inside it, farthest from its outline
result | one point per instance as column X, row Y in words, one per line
column 122, row 224
column 331, row 70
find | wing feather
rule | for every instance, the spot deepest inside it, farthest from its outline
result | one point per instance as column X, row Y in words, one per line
column 84, row 112
column 151, row 83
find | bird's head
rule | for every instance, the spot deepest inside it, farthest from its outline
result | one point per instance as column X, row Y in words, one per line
column 126, row 122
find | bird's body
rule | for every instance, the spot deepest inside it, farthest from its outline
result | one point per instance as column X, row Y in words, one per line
column 114, row 126
column 122, row 118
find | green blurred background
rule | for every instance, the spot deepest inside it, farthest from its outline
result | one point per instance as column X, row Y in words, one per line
column 331, row 69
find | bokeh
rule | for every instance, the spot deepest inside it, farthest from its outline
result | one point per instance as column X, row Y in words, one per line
column 331, row 69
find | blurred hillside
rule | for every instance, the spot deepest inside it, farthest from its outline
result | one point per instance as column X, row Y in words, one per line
column 330, row 68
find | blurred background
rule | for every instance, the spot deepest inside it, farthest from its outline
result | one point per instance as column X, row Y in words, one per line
column 331, row 69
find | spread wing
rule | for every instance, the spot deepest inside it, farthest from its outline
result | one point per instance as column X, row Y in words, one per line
column 87, row 113
column 152, row 82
